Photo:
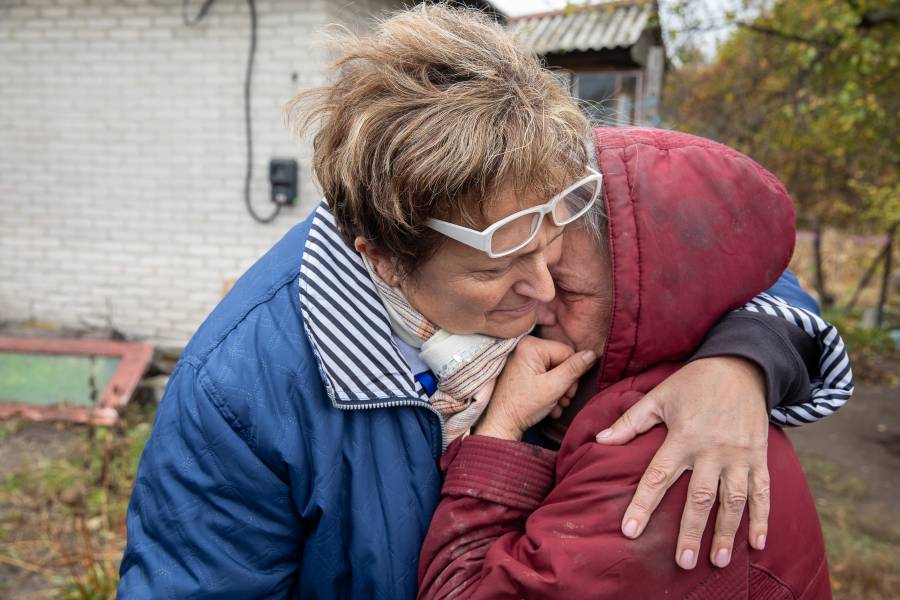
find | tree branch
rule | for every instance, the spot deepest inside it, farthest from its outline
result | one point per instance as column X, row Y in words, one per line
column 879, row 16
column 785, row 35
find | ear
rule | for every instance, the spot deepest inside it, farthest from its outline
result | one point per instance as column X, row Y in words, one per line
column 384, row 264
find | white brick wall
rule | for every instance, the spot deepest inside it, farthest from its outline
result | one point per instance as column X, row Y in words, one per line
column 122, row 153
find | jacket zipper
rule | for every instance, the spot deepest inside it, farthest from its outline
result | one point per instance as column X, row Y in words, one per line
column 396, row 403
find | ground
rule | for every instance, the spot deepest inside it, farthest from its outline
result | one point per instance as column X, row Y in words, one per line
column 64, row 488
column 865, row 442
column 852, row 464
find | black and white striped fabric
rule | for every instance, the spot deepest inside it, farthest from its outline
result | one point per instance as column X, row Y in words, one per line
column 832, row 386
column 348, row 326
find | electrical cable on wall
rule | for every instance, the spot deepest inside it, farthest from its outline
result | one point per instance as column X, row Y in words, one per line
column 186, row 9
column 191, row 21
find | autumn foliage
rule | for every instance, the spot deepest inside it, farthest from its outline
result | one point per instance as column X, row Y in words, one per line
column 810, row 89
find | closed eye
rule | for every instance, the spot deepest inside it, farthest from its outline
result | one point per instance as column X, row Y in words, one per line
column 495, row 271
column 567, row 293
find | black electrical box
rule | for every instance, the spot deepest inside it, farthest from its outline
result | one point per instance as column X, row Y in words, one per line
column 283, row 177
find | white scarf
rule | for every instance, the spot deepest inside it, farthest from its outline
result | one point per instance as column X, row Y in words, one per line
column 466, row 366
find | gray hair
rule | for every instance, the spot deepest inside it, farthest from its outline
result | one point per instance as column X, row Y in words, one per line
column 595, row 221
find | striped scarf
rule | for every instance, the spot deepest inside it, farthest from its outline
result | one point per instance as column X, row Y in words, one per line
column 466, row 366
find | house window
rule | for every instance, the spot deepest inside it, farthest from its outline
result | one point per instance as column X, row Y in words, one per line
column 611, row 97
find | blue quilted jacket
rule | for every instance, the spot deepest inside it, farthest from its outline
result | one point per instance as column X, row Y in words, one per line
column 293, row 454
column 253, row 485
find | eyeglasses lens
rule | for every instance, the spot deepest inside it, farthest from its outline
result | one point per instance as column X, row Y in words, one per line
column 514, row 233
column 575, row 203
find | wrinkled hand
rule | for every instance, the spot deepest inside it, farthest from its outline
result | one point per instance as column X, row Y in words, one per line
column 539, row 379
column 715, row 411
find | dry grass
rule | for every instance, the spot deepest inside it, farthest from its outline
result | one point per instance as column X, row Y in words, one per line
column 845, row 259
column 62, row 521
column 863, row 545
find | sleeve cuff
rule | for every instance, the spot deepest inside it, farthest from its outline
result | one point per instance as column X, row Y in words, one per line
column 767, row 342
column 513, row 474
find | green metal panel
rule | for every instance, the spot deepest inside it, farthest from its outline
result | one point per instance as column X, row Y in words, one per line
column 44, row 379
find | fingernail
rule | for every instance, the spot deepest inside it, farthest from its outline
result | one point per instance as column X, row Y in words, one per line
column 687, row 559
column 630, row 529
column 723, row 557
column 605, row 433
column 760, row 542
column 588, row 357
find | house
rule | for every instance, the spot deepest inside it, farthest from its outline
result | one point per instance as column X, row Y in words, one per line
column 123, row 152
column 611, row 53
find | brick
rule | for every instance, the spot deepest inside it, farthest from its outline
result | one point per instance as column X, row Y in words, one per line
column 54, row 12
column 20, row 13
column 101, row 23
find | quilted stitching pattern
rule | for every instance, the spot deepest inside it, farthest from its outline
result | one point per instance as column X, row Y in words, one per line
column 253, row 485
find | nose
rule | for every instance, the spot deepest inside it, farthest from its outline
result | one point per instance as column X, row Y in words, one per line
column 537, row 283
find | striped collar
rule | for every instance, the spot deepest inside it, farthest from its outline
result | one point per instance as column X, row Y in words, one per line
column 347, row 325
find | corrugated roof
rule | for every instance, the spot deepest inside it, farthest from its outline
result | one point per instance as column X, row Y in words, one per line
column 593, row 28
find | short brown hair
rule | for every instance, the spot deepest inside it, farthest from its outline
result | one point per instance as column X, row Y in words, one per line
column 431, row 116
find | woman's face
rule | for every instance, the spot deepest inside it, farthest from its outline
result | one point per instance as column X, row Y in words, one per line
column 462, row 290
column 580, row 313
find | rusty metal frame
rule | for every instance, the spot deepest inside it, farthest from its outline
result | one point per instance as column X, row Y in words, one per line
column 133, row 360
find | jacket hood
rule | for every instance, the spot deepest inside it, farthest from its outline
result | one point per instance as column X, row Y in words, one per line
column 695, row 229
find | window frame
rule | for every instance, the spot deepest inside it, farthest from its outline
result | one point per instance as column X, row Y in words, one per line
column 618, row 73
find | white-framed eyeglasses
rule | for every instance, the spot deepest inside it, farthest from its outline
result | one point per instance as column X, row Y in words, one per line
column 518, row 229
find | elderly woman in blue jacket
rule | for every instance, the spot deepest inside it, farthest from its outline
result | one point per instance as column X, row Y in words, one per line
column 295, row 452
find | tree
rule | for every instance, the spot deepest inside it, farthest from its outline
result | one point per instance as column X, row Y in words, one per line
column 810, row 89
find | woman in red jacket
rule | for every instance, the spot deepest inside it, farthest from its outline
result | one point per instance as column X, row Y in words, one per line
column 693, row 230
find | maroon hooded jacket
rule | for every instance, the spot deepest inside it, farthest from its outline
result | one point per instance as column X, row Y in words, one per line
column 696, row 229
